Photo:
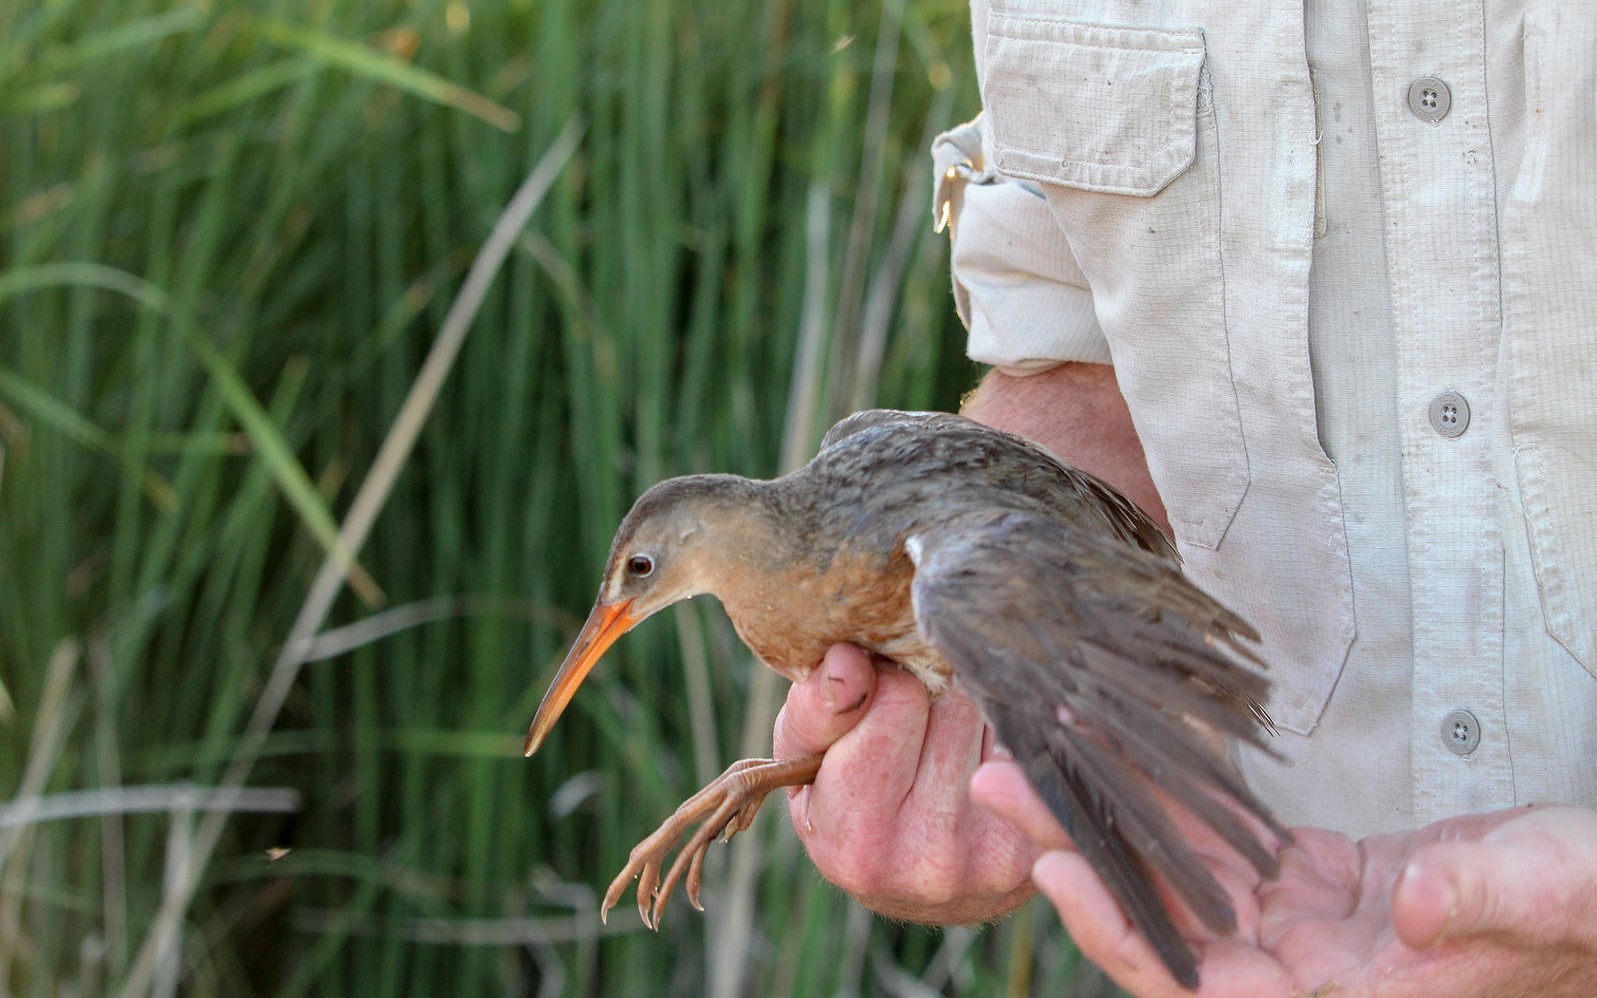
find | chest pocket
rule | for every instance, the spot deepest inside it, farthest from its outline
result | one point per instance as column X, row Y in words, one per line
column 1117, row 125
column 1091, row 107
column 1550, row 312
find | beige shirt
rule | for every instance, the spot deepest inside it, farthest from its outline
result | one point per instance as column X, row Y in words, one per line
column 1343, row 257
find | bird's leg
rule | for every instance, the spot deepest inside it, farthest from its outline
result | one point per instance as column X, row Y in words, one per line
column 725, row 807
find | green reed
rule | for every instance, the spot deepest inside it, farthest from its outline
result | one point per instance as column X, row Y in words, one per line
column 229, row 236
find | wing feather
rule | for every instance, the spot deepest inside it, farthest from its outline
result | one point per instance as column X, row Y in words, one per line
column 1029, row 469
column 1098, row 664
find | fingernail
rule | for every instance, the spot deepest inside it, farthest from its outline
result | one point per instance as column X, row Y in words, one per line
column 856, row 705
column 829, row 688
column 1450, row 902
column 1431, row 892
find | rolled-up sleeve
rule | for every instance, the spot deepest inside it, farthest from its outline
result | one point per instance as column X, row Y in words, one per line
column 1017, row 286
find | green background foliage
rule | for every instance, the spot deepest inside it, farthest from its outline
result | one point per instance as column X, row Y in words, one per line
column 229, row 235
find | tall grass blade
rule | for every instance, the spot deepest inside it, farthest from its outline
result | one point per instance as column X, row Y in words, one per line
column 278, row 458
column 363, row 512
column 370, row 64
column 150, row 799
column 134, row 34
column 285, row 192
column 257, row 424
column 58, row 711
column 42, row 406
column 21, row 280
column 244, row 88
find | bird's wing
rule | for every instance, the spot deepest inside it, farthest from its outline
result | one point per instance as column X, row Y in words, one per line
column 868, row 419
column 1092, row 659
column 1074, row 490
column 1126, row 519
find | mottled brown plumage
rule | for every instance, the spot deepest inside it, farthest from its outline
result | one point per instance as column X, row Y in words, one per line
column 964, row 553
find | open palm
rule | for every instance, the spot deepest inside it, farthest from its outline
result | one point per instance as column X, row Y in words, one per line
column 1493, row 904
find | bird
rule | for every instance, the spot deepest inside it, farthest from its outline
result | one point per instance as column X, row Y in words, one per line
column 972, row 556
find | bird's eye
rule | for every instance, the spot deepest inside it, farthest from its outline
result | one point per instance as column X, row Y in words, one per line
column 641, row 566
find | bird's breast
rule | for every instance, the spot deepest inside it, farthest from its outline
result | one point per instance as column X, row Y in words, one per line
column 856, row 596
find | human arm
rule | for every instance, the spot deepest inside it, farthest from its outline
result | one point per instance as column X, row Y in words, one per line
column 1488, row 904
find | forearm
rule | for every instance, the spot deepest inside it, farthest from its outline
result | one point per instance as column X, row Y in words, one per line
column 1076, row 411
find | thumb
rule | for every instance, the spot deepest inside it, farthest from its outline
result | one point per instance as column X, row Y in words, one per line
column 1531, row 881
column 827, row 704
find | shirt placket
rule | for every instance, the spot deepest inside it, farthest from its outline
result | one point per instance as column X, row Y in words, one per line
column 1428, row 78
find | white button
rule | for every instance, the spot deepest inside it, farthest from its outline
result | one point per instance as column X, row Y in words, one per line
column 1461, row 732
column 1429, row 99
column 1449, row 414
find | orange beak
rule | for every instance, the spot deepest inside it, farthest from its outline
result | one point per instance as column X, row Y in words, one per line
column 606, row 622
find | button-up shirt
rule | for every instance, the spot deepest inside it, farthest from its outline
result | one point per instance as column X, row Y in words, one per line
column 1343, row 257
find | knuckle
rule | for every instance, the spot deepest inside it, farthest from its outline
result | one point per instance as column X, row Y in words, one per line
column 928, row 870
column 942, row 874
column 862, row 862
column 852, row 870
column 808, row 724
column 782, row 734
column 799, row 730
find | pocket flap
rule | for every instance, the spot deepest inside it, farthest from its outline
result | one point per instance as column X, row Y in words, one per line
column 1092, row 107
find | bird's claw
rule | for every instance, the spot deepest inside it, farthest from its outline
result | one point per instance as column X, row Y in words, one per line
column 725, row 807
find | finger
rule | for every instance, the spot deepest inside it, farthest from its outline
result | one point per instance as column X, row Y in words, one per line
column 1423, row 900
column 1532, row 881
column 826, row 705
column 1103, row 933
column 868, row 772
column 1000, row 786
column 991, row 747
column 1099, row 927
column 949, row 755
column 960, row 848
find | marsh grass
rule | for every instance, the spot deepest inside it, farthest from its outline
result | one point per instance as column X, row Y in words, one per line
column 229, row 238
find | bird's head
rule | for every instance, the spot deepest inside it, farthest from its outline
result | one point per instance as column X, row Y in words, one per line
column 669, row 548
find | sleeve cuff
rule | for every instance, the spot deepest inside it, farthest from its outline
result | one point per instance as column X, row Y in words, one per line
column 1016, row 284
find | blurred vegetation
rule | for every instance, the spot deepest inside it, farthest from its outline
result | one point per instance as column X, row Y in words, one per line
column 229, row 235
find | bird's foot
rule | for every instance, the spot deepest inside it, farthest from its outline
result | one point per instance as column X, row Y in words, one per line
column 725, row 807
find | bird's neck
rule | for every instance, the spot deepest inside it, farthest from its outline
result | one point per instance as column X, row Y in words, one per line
column 739, row 548
column 779, row 574
column 745, row 532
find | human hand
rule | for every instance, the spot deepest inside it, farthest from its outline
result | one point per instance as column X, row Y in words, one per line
column 1489, row 904
column 889, row 817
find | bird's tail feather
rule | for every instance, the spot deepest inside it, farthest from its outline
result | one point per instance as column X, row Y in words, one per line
column 1106, row 848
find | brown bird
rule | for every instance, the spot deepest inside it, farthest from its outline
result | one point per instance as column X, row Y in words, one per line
column 965, row 554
